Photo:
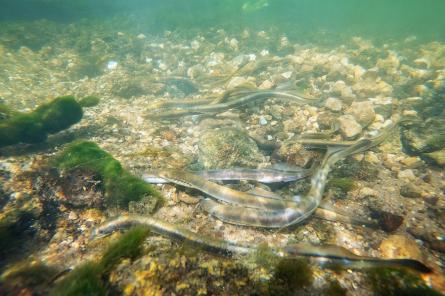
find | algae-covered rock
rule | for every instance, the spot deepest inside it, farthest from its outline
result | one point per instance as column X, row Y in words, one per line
column 120, row 186
column 34, row 127
column 438, row 157
column 424, row 138
column 228, row 148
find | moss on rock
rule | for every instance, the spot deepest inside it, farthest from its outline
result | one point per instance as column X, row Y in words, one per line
column 120, row 186
column 92, row 278
column 34, row 127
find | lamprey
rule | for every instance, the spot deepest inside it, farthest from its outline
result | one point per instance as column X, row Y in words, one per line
column 248, row 96
column 321, row 254
column 219, row 192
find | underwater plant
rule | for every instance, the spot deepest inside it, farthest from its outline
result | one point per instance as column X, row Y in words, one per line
column 91, row 278
column 120, row 186
column 34, row 127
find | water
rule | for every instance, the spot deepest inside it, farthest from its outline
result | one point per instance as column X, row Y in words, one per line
column 94, row 95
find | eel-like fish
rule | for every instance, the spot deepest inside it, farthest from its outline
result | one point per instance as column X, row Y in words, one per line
column 320, row 254
column 266, row 175
column 291, row 215
column 219, row 192
column 306, row 205
column 249, row 96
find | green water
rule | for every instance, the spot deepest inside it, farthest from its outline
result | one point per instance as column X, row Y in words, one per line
column 377, row 18
column 100, row 97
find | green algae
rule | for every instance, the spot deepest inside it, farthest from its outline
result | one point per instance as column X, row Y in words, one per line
column 13, row 232
column 128, row 246
column 392, row 281
column 120, row 186
column 84, row 280
column 344, row 184
column 334, row 289
column 92, row 278
column 89, row 101
column 34, row 127
column 34, row 275
column 290, row 275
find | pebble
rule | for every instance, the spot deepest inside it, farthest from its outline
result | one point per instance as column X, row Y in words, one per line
column 366, row 191
column 406, row 175
column 333, row 104
column 400, row 246
column 262, row 120
column 363, row 112
column 349, row 127
column 410, row 190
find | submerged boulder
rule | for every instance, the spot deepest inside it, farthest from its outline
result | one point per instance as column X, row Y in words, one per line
column 226, row 148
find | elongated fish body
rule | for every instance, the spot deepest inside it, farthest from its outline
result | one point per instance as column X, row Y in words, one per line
column 320, row 254
column 272, row 218
column 332, row 254
column 259, row 175
column 223, row 193
column 174, row 232
column 211, row 108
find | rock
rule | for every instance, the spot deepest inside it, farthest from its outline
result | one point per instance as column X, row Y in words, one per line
column 424, row 138
column 438, row 157
column 238, row 81
column 390, row 222
column 406, row 175
column 410, row 190
column 228, row 147
column 363, row 112
column 366, row 191
column 294, row 153
column 333, row 104
column 349, row 127
column 400, row 246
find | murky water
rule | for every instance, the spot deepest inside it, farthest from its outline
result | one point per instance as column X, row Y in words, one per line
column 272, row 147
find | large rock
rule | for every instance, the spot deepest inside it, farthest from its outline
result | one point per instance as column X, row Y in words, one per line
column 229, row 147
column 349, row 127
column 363, row 112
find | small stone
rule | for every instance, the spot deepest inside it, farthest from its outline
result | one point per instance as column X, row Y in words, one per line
column 406, row 174
column 333, row 104
column 400, row 246
column 410, row 190
column 349, row 127
column 72, row 215
column 366, row 191
column 412, row 162
column 389, row 222
column 262, row 120
column 141, row 36
column 438, row 157
column 363, row 112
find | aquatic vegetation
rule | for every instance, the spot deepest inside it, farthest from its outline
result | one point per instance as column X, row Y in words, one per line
column 120, row 186
column 89, row 101
column 91, row 278
column 391, row 281
column 128, row 246
column 34, row 275
column 14, row 231
column 334, row 289
column 289, row 276
column 34, row 127
column 344, row 184
column 84, row 280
